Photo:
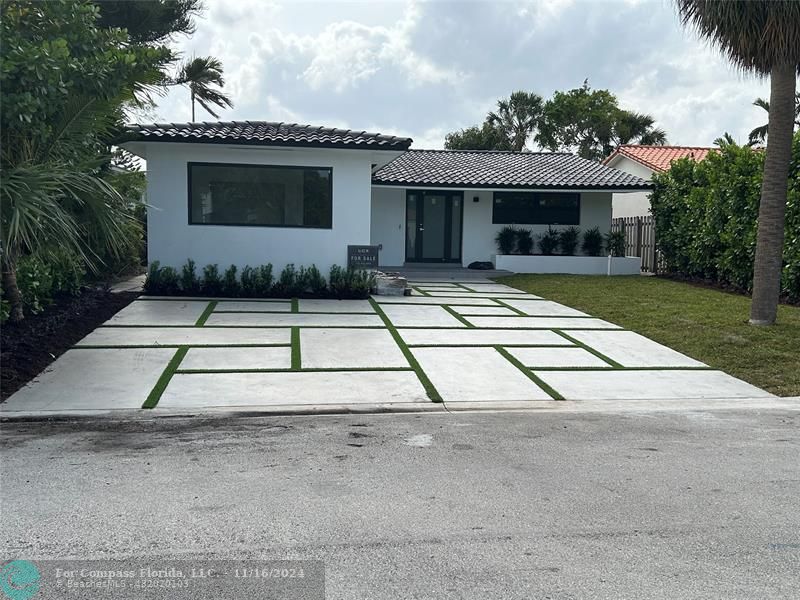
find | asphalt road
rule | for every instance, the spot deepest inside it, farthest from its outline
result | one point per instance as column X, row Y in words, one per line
column 506, row 505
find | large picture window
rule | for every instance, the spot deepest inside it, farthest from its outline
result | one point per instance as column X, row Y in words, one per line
column 276, row 196
column 536, row 208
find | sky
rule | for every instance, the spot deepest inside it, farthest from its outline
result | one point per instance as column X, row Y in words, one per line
column 423, row 69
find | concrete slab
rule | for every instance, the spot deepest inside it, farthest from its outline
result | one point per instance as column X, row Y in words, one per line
column 648, row 385
column 420, row 316
column 633, row 350
column 438, row 286
column 93, row 379
column 292, row 388
column 250, row 306
column 542, row 322
column 435, row 301
column 501, row 295
column 544, row 308
column 335, row 306
column 482, row 337
column 485, row 310
column 294, row 319
column 557, row 357
column 462, row 374
column 183, row 336
column 492, row 288
column 349, row 348
column 181, row 312
column 208, row 359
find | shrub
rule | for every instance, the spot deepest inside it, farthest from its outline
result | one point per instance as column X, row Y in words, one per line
column 264, row 280
column 706, row 217
column 568, row 240
column 286, row 286
column 615, row 243
column 152, row 284
column 506, row 240
column 170, row 282
column 592, row 242
column 230, row 284
column 549, row 241
column 249, row 282
column 190, row 284
column 211, row 284
column 315, row 281
column 350, row 282
column 525, row 241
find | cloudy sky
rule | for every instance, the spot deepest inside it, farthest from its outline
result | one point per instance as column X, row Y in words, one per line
column 423, row 69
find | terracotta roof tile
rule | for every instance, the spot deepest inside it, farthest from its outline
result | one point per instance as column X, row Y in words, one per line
column 494, row 169
column 658, row 158
column 264, row 133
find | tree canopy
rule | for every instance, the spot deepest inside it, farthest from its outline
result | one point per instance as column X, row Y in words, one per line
column 582, row 120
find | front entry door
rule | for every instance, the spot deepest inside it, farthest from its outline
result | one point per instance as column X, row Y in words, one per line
column 433, row 226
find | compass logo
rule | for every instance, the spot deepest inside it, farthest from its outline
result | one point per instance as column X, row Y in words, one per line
column 19, row 580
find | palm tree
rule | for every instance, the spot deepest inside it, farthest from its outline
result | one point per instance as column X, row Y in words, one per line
column 763, row 37
column 517, row 117
column 52, row 193
column 759, row 134
column 199, row 74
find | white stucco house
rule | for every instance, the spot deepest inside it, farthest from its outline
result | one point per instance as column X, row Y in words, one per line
column 253, row 192
column 642, row 161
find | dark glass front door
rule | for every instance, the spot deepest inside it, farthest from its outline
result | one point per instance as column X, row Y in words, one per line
column 433, row 226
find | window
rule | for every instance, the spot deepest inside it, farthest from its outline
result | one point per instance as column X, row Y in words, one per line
column 536, row 208
column 276, row 196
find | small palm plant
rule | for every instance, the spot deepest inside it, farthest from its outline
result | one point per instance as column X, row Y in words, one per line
column 200, row 75
column 506, row 240
column 568, row 240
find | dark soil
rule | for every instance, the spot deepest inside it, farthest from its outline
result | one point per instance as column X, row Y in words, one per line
column 26, row 348
column 718, row 285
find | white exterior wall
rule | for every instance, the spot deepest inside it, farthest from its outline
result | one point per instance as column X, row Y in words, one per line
column 389, row 225
column 389, row 222
column 632, row 204
column 171, row 240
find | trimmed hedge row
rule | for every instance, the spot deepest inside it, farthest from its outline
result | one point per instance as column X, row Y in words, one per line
column 258, row 282
column 706, row 216
column 514, row 240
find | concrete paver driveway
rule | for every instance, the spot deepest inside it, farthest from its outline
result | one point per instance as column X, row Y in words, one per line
column 451, row 345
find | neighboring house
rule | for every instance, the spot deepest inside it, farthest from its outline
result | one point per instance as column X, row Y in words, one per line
column 643, row 161
column 256, row 192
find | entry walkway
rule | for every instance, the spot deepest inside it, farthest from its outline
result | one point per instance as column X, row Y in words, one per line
column 458, row 344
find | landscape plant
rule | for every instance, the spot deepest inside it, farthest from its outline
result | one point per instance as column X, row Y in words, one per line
column 190, row 284
column 614, row 242
column 212, row 283
column 506, row 240
column 568, row 240
column 525, row 241
column 230, row 283
column 592, row 242
column 549, row 240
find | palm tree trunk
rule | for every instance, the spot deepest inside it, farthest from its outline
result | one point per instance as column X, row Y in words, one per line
column 11, row 291
column 192, row 93
column 772, row 210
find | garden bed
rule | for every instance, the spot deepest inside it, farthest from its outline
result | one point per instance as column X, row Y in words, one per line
column 575, row 265
column 30, row 346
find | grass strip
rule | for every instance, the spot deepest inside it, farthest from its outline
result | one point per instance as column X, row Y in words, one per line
column 423, row 292
column 296, row 357
column 166, row 376
column 295, row 305
column 201, row 320
column 589, row 349
column 458, row 316
column 430, row 389
column 529, row 374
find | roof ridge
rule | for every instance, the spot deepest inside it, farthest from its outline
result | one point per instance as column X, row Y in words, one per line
column 666, row 146
column 519, row 152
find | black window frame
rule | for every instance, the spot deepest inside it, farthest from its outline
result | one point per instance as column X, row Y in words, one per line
column 190, row 165
column 534, row 220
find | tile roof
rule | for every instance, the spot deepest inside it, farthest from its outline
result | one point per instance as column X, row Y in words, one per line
column 658, row 158
column 264, row 133
column 495, row 169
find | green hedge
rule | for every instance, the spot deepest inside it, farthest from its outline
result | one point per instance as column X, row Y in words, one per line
column 258, row 282
column 706, row 215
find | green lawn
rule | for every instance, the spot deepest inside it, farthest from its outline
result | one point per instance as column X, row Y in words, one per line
column 705, row 324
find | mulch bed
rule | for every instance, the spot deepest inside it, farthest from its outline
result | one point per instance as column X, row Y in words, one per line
column 26, row 348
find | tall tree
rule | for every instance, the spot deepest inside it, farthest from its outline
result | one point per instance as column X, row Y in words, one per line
column 761, row 37
column 201, row 75
column 484, row 137
column 591, row 123
column 517, row 117
column 759, row 134
column 150, row 21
